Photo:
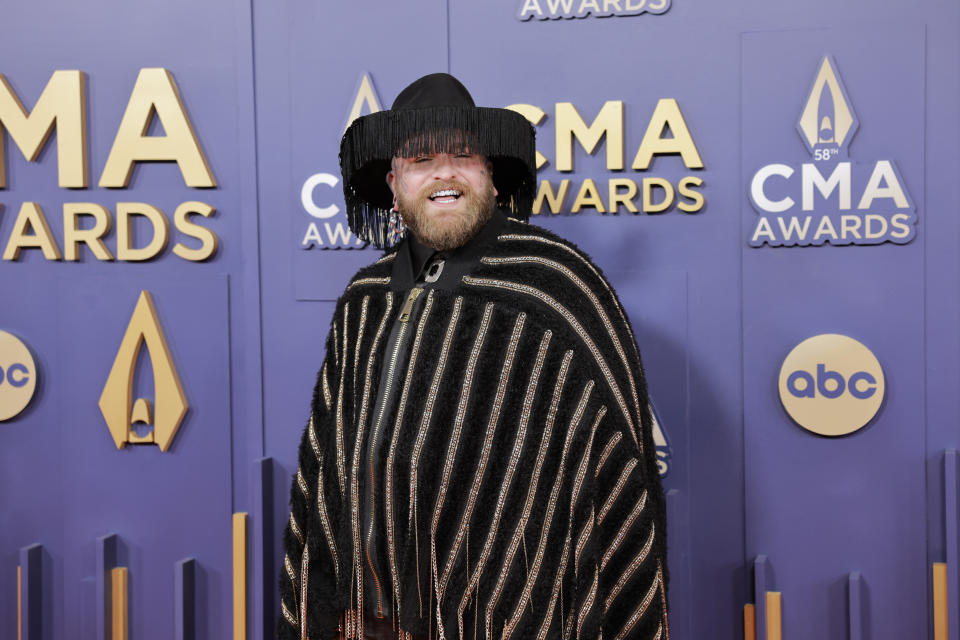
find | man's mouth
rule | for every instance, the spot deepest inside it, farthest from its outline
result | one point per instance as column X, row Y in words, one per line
column 445, row 196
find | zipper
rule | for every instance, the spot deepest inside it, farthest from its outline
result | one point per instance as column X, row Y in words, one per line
column 404, row 320
column 408, row 306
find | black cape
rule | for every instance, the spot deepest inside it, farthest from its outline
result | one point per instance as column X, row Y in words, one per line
column 522, row 495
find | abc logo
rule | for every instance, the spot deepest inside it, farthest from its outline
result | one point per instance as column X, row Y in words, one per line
column 18, row 376
column 831, row 384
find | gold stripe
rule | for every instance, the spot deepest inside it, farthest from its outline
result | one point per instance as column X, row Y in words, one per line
column 302, row 483
column 773, row 616
column 557, row 584
column 621, row 482
column 325, row 523
column 240, row 575
column 582, row 540
column 750, row 623
column 575, row 325
column 364, row 308
column 627, row 524
column 327, row 398
column 514, row 457
column 119, row 610
column 580, row 284
column 292, row 575
column 659, row 632
column 939, row 601
column 485, row 451
column 428, row 406
column 512, row 219
column 386, row 258
column 663, row 604
column 296, row 528
column 361, row 425
column 568, row 629
column 454, row 444
column 534, row 572
column 588, row 602
column 336, row 344
column 289, row 617
column 304, row 575
column 585, row 461
column 630, row 569
column 391, row 456
column 607, row 450
column 341, row 455
column 589, row 265
column 365, row 281
column 314, row 443
column 367, row 383
column 642, row 609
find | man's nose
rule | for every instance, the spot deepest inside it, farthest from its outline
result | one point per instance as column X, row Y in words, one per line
column 444, row 168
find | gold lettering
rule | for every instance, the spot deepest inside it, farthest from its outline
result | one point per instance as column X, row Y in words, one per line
column 155, row 92
column 61, row 106
column 588, row 196
column 685, row 187
column 158, row 222
column 648, row 204
column 667, row 114
column 535, row 116
column 366, row 95
column 31, row 231
column 608, row 122
column 554, row 200
column 208, row 239
column 74, row 234
column 626, row 199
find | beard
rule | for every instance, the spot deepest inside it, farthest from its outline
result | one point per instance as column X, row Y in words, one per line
column 445, row 230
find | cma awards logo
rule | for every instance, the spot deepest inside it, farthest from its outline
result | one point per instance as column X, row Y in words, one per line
column 140, row 421
column 832, row 199
column 831, row 384
column 664, row 453
column 327, row 227
column 18, row 376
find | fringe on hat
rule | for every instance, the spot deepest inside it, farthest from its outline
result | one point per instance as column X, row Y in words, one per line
column 505, row 137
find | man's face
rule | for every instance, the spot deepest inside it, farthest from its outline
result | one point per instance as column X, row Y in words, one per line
column 445, row 199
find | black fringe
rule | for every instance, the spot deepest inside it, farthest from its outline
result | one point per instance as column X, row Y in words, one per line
column 505, row 137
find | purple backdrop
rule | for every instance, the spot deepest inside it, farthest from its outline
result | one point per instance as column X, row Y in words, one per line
column 269, row 87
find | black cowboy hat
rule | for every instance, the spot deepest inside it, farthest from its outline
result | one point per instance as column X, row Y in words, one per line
column 435, row 114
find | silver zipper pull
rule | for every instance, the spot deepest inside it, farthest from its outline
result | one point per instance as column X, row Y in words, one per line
column 408, row 304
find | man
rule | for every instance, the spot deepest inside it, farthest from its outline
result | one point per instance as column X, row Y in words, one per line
column 478, row 461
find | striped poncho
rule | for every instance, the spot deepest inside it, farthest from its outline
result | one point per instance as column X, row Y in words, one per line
column 521, row 497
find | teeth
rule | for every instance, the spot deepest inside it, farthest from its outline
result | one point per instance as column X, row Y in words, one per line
column 445, row 192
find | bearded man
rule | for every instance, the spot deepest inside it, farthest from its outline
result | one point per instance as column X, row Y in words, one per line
column 478, row 460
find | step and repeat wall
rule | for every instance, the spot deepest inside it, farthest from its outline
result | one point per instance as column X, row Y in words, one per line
column 771, row 188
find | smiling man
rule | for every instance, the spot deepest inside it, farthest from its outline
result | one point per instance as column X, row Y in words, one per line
column 445, row 198
column 478, row 460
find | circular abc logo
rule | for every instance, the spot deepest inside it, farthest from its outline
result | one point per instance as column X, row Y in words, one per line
column 18, row 376
column 831, row 384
